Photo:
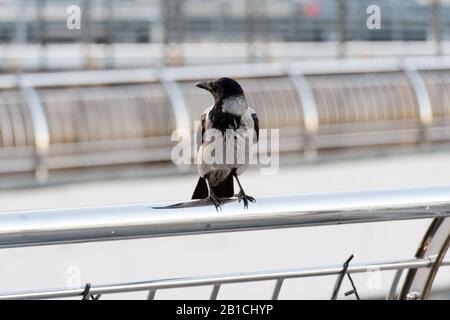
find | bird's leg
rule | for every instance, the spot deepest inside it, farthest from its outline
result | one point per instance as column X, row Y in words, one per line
column 241, row 195
column 212, row 197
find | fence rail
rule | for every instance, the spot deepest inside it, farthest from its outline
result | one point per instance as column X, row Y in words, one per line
column 27, row 228
column 72, row 120
column 218, row 280
column 254, row 30
column 61, row 226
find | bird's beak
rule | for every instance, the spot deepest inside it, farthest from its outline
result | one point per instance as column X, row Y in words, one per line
column 203, row 85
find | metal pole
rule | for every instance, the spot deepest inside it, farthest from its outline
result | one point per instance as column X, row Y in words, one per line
column 40, row 127
column 217, row 280
column 342, row 27
column 250, row 30
column 86, row 32
column 109, row 38
column 310, row 113
column 21, row 22
column 42, row 18
column 437, row 26
column 215, row 292
column 392, row 294
column 151, row 294
column 423, row 101
column 177, row 101
column 166, row 13
column 340, row 278
column 277, row 289
column 435, row 243
column 45, row 227
column 173, row 31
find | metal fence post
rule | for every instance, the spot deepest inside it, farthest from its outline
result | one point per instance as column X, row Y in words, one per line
column 109, row 38
column 86, row 32
column 341, row 20
column 437, row 26
column 43, row 52
column 423, row 100
column 310, row 113
column 250, row 30
column 40, row 127
column 21, row 22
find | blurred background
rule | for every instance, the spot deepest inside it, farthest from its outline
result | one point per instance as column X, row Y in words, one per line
column 86, row 117
column 152, row 33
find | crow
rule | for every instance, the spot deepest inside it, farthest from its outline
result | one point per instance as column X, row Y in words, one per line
column 232, row 118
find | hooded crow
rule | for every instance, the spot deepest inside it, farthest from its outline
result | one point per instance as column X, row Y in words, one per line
column 233, row 120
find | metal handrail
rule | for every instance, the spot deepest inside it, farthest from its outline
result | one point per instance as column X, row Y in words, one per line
column 178, row 104
column 423, row 99
column 44, row 227
column 217, row 280
column 310, row 67
column 316, row 133
column 40, row 126
column 59, row 226
column 309, row 108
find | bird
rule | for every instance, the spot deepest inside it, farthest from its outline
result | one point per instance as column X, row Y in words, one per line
column 232, row 118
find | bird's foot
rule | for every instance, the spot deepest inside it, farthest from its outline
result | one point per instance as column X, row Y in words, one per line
column 217, row 202
column 245, row 198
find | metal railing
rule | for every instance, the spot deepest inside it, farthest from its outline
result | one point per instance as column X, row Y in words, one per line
column 260, row 26
column 101, row 118
column 62, row 226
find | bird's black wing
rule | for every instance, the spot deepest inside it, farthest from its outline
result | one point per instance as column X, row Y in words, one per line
column 256, row 125
column 224, row 189
column 203, row 118
column 201, row 133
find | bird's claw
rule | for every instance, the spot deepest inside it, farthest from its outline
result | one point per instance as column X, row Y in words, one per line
column 245, row 198
column 217, row 202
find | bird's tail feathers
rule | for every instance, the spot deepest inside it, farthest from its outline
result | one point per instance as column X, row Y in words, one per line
column 225, row 189
column 201, row 190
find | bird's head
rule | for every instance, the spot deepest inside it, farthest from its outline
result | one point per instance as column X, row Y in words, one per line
column 222, row 88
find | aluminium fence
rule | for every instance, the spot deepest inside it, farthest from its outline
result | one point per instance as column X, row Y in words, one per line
column 70, row 120
column 75, row 225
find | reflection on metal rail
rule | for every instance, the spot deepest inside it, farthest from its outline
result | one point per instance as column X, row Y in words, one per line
column 58, row 226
